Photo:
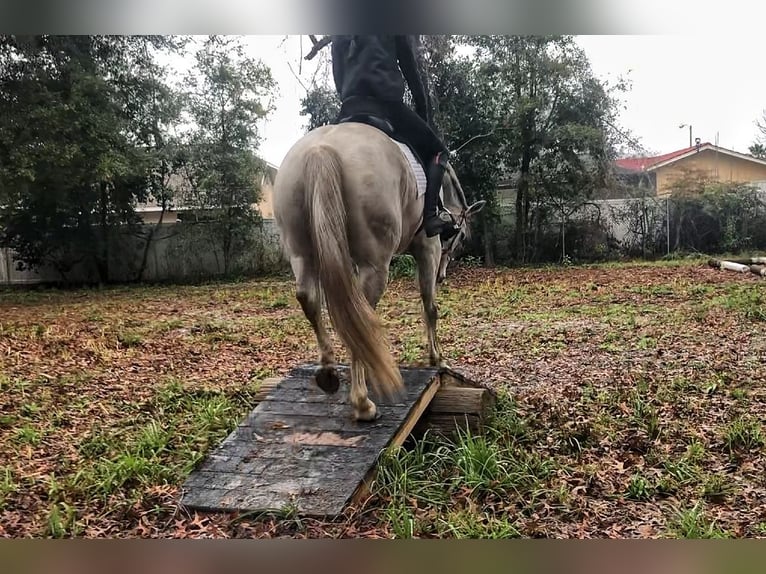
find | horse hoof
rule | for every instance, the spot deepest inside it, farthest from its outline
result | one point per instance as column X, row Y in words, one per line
column 327, row 379
column 370, row 414
column 365, row 419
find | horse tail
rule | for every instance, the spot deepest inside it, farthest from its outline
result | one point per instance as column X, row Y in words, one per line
column 351, row 314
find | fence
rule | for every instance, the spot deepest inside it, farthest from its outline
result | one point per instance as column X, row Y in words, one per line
column 600, row 229
column 178, row 252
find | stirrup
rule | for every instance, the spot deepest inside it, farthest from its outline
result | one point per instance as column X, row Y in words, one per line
column 442, row 223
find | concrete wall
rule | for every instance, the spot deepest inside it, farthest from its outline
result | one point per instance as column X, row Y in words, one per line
column 178, row 252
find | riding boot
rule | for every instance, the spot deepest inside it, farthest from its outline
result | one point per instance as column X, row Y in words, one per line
column 436, row 221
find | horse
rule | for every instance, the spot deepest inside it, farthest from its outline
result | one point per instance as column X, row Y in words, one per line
column 345, row 202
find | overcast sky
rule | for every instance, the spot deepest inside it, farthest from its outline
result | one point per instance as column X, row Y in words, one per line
column 715, row 84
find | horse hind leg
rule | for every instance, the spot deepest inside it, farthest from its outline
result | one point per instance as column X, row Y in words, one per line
column 309, row 297
column 373, row 281
column 364, row 408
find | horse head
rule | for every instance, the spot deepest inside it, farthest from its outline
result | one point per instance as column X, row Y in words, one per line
column 455, row 202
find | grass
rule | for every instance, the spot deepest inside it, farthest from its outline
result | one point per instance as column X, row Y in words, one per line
column 477, row 471
column 746, row 300
column 693, row 523
column 625, row 400
column 743, row 433
column 639, row 488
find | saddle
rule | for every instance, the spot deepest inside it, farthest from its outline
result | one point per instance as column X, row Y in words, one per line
column 387, row 128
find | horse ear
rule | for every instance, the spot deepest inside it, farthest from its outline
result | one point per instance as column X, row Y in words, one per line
column 475, row 207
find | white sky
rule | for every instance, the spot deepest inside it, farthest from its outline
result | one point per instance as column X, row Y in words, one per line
column 716, row 84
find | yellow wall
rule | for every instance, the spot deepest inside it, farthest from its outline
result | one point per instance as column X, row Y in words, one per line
column 266, row 204
column 708, row 163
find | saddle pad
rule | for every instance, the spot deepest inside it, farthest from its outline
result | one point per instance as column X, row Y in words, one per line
column 417, row 168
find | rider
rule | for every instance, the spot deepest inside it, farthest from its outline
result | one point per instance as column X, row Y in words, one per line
column 369, row 74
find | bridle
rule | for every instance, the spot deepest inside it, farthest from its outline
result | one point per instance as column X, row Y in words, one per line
column 461, row 221
column 452, row 242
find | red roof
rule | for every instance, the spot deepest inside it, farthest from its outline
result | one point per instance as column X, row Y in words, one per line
column 642, row 163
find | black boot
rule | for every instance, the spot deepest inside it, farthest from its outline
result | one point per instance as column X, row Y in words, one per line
column 436, row 222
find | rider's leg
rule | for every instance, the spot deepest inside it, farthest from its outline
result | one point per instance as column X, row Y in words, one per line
column 436, row 222
column 434, row 155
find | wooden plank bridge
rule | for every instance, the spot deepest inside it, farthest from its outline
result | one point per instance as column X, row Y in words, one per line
column 300, row 447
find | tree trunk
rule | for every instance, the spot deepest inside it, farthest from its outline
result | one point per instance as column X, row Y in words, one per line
column 148, row 243
column 679, row 224
column 227, row 239
column 518, row 219
column 102, row 259
column 489, row 243
column 522, row 195
column 563, row 237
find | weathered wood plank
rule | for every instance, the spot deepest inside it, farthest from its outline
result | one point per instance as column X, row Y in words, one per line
column 401, row 434
column 302, row 447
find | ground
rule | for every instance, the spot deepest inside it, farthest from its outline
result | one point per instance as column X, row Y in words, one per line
column 632, row 401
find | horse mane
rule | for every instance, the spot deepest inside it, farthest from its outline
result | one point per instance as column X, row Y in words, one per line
column 458, row 187
column 460, row 194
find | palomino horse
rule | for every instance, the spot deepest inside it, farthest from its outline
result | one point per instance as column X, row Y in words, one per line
column 345, row 202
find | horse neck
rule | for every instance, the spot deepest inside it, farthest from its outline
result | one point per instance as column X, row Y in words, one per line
column 452, row 197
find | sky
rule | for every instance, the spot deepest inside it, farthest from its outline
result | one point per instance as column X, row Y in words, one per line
column 714, row 84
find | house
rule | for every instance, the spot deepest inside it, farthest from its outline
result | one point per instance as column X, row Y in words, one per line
column 266, row 204
column 703, row 160
column 151, row 212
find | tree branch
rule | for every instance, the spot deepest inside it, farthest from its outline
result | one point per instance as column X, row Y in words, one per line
column 318, row 45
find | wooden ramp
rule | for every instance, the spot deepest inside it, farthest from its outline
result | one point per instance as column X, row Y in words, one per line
column 301, row 447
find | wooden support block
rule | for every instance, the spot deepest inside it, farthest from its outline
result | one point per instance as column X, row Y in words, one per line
column 449, row 425
column 468, row 400
column 459, row 404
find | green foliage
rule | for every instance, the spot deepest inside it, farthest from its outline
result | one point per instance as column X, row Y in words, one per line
column 692, row 523
column 464, row 108
column 553, row 126
column 228, row 94
column 402, row 266
column 75, row 116
column 322, row 105
column 757, row 150
column 744, row 433
column 88, row 130
column 715, row 217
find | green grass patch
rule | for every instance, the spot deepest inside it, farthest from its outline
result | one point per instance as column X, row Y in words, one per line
column 693, row 523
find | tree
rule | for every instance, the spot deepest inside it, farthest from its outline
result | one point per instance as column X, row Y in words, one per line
column 321, row 104
column 758, row 150
column 158, row 109
column 466, row 117
column 557, row 116
column 228, row 93
column 71, row 161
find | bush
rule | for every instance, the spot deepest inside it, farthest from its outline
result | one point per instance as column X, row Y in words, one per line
column 402, row 266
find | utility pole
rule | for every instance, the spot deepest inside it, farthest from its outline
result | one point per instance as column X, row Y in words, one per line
column 690, row 132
